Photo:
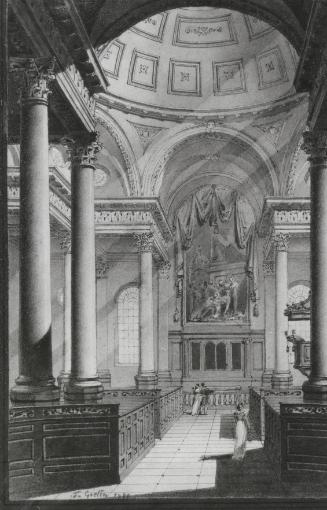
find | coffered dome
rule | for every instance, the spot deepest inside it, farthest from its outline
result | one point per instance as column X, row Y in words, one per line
column 199, row 58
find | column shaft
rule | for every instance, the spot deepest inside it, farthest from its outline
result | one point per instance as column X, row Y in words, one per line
column 315, row 144
column 164, row 374
column 63, row 378
column 146, row 378
column 269, row 283
column 281, row 376
column 84, row 383
column 35, row 381
column 67, row 347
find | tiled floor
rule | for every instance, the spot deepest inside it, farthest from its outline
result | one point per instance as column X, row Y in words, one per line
column 184, row 461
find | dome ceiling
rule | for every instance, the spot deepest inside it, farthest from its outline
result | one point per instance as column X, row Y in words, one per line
column 199, row 59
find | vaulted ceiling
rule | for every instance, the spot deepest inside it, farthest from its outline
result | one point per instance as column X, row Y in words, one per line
column 201, row 59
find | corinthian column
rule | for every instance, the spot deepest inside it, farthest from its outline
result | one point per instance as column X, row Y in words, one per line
column 315, row 144
column 281, row 378
column 84, row 383
column 65, row 244
column 269, row 283
column 164, row 374
column 35, row 382
column 147, row 377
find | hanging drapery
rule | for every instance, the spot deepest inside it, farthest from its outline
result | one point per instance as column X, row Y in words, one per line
column 207, row 206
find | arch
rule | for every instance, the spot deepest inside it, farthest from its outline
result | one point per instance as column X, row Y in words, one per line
column 278, row 14
column 112, row 126
column 160, row 153
column 294, row 171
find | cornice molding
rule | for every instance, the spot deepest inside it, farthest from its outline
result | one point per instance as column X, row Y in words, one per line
column 36, row 21
column 132, row 211
column 286, row 213
column 219, row 116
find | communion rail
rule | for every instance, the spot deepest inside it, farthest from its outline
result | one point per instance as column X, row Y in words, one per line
column 221, row 397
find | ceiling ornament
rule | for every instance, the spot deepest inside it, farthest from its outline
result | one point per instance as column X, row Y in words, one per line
column 272, row 130
column 210, row 157
column 257, row 27
column 100, row 178
column 146, row 133
column 127, row 153
column 152, row 27
column 203, row 32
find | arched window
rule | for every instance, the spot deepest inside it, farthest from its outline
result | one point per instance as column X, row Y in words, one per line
column 128, row 326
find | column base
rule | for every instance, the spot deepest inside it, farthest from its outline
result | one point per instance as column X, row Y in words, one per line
column 164, row 378
column 147, row 381
column 29, row 390
column 267, row 378
column 63, row 378
column 281, row 381
column 83, row 390
column 315, row 389
column 105, row 378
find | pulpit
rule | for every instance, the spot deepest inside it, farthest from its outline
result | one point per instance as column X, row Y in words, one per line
column 299, row 333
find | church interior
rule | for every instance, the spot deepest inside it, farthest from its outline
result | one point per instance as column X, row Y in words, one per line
column 163, row 225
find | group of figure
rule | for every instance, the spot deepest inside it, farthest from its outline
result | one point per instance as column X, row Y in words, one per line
column 215, row 300
column 200, row 402
column 241, row 421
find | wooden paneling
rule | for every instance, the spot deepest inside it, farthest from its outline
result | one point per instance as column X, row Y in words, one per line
column 303, row 440
column 56, row 448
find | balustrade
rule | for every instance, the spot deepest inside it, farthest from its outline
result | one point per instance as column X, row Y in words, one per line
column 221, row 397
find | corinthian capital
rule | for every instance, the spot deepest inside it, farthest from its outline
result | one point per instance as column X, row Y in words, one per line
column 144, row 241
column 83, row 148
column 315, row 144
column 164, row 270
column 37, row 74
column 281, row 241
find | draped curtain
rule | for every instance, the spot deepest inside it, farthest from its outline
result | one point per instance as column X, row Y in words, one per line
column 207, row 206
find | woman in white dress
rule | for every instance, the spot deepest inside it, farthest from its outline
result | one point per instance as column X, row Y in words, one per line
column 197, row 400
column 241, row 431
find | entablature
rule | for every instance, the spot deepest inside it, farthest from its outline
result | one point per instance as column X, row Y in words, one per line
column 289, row 216
column 78, row 73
